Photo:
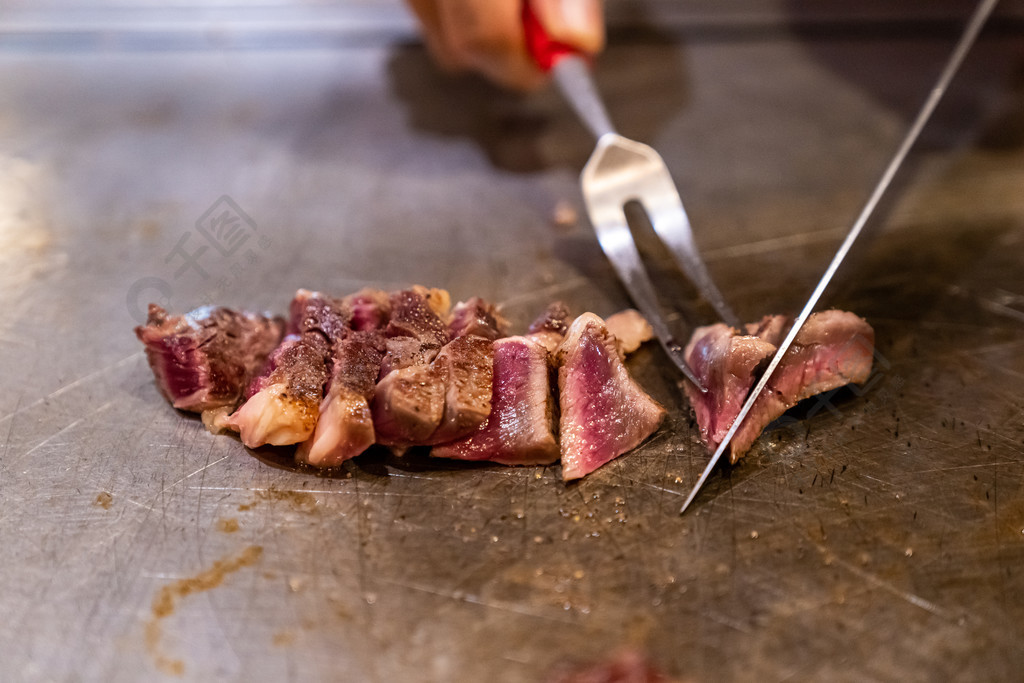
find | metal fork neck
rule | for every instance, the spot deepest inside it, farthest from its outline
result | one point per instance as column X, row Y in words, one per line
column 572, row 73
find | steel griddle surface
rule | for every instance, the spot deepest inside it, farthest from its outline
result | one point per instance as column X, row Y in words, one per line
column 879, row 537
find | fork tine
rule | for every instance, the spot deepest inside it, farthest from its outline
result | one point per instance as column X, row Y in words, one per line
column 655, row 190
column 672, row 225
column 617, row 243
column 605, row 208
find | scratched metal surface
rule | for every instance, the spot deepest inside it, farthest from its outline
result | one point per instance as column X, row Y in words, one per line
column 881, row 537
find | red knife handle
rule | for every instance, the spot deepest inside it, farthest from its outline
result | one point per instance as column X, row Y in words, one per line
column 544, row 50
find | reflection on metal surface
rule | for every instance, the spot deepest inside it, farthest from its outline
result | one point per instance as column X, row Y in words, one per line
column 23, row 225
column 26, row 242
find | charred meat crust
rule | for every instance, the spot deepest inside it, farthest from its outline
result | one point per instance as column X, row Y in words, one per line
column 466, row 366
column 478, row 317
column 317, row 312
column 549, row 328
column 554, row 318
column 284, row 402
column 203, row 360
column 414, row 313
column 284, row 408
column 345, row 426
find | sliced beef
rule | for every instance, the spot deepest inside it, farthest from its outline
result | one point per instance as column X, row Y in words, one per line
column 320, row 313
column 604, row 412
column 409, row 401
column 401, row 352
column 550, row 327
column 771, row 328
column 415, row 331
column 284, row 402
column 630, row 329
column 478, row 317
column 465, row 365
column 431, row 403
column 520, row 427
column 727, row 364
column 203, row 360
column 417, row 312
column 408, row 405
column 405, row 369
column 345, row 426
column 369, row 309
column 831, row 350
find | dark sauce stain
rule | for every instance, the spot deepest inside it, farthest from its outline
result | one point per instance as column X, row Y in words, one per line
column 167, row 599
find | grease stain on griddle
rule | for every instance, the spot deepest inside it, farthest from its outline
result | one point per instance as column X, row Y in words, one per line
column 166, row 601
column 283, row 638
column 302, row 501
column 103, row 500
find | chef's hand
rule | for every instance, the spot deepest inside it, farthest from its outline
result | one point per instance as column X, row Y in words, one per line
column 486, row 36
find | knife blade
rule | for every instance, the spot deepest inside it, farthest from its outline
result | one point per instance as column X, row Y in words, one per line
column 956, row 58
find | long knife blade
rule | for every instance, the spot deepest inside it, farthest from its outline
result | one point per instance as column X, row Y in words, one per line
column 963, row 46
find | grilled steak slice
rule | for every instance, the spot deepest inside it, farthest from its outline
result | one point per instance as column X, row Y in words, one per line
column 408, row 405
column 465, row 365
column 726, row 362
column 479, row 317
column 415, row 331
column 417, row 312
column 432, row 403
column 831, row 350
column 284, row 408
column 369, row 308
column 550, row 327
column 604, row 412
column 203, row 360
column 630, row 329
column 520, row 427
column 284, row 402
column 401, row 352
column 317, row 312
column 345, row 427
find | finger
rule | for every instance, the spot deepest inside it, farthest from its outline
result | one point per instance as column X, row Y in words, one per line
column 429, row 15
column 487, row 36
column 579, row 23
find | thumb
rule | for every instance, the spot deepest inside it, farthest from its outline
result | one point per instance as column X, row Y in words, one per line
column 579, row 23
